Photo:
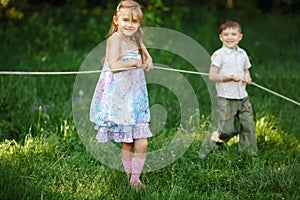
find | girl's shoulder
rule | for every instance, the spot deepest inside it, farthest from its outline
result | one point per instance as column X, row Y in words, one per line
column 114, row 41
column 114, row 38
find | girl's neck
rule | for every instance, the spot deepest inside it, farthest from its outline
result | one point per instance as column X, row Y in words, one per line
column 126, row 38
column 130, row 43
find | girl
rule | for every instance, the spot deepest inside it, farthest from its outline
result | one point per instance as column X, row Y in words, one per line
column 120, row 106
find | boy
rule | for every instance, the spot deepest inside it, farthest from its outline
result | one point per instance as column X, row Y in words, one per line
column 230, row 70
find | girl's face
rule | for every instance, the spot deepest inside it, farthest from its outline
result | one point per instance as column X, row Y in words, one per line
column 127, row 21
column 231, row 37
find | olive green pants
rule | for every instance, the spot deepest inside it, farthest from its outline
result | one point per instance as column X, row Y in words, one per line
column 236, row 117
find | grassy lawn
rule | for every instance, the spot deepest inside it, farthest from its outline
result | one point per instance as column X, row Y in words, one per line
column 56, row 168
column 43, row 157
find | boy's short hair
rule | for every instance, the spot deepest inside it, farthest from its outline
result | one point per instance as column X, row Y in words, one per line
column 230, row 24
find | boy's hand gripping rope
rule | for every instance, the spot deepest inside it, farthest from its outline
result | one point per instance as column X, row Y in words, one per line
column 155, row 67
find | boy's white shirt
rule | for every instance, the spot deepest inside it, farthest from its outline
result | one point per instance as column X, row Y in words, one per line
column 231, row 62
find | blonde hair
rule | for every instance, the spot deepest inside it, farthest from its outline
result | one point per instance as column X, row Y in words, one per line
column 138, row 37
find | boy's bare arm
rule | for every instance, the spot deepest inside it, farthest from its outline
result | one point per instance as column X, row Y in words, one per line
column 214, row 76
column 247, row 77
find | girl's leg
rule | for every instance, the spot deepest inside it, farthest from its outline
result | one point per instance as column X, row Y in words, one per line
column 140, row 146
column 127, row 157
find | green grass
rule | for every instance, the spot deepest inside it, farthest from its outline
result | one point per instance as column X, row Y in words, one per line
column 42, row 156
column 55, row 168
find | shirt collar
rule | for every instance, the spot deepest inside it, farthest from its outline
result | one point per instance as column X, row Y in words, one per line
column 229, row 51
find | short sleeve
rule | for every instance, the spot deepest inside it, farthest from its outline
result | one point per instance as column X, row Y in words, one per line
column 247, row 63
column 216, row 59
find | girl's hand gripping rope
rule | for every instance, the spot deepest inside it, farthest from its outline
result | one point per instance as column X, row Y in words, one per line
column 137, row 63
column 147, row 66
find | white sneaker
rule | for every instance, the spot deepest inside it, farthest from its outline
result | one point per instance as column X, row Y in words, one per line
column 215, row 137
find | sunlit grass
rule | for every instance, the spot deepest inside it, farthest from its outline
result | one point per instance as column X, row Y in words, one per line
column 51, row 168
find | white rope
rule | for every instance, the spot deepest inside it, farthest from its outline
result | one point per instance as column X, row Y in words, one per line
column 155, row 67
column 276, row 94
column 49, row 73
column 185, row 71
column 252, row 83
column 95, row 71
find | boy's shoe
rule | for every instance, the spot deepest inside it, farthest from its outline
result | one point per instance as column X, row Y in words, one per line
column 219, row 146
column 215, row 137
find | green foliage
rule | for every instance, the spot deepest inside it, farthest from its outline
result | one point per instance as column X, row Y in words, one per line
column 12, row 10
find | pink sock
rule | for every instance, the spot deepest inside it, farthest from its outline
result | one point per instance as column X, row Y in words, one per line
column 127, row 166
column 137, row 167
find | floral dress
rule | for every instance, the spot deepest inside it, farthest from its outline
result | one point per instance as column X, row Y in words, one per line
column 120, row 107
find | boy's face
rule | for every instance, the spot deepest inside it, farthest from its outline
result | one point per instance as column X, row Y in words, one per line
column 231, row 37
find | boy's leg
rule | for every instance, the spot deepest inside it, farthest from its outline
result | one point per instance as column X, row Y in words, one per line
column 247, row 140
column 227, row 110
